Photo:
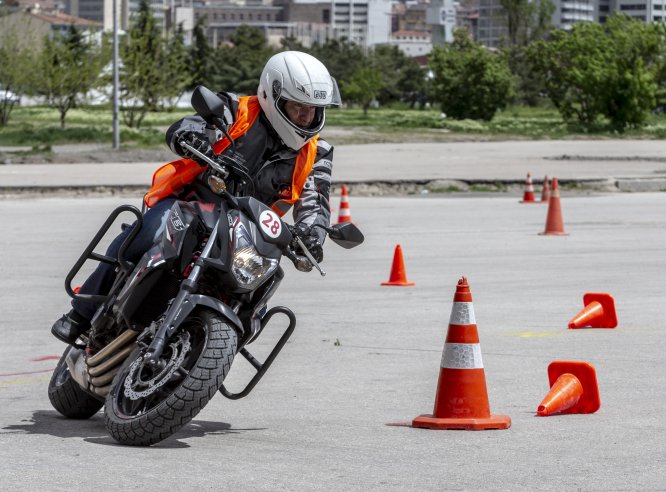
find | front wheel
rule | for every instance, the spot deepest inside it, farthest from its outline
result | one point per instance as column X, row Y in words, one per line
column 148, row 405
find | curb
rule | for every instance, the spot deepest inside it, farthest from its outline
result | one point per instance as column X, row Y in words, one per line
column 380, row 187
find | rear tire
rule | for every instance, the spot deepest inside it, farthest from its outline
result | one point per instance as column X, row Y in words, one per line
column 139, row 420
column 67, row 397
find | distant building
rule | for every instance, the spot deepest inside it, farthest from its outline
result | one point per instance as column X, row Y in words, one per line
column 412, row 43
column 223, row 18
column 567, row 13
column 442, row 17
column 645, row 10
column 364, row 22
column 34, row 25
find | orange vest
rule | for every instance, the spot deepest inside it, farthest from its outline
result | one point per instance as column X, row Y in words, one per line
column 171, row 178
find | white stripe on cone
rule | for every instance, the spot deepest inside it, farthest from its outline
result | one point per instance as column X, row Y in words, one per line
column 462, row 356
column 462, row 313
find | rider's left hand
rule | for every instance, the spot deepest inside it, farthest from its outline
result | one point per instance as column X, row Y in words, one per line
column 311, row 241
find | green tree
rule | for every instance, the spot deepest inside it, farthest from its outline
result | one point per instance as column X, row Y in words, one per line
column 290, row 43
column 526, row 21
column 602, row 70
column 470, row 81
column 177, row 69
column 634, row 77
column 200, row 55
column 69, row 66
column 141, row 78
column 342, row 59
column 238, row 65
column 17, row 61
column 363, row 87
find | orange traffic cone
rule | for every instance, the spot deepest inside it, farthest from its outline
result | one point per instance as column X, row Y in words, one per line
column 462, row 398
column 573, row 389
column 599, row 312
column 345, row 212
column 554, row 225
column 398, row 276
column 545, row 190
column 528, row 194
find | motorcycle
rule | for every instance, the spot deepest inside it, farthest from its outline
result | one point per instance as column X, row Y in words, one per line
column 165, row 336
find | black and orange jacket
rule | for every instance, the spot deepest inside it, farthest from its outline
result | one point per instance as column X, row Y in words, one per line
column 282, row 177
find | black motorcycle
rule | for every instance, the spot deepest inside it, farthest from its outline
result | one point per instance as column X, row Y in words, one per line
column 165, row 336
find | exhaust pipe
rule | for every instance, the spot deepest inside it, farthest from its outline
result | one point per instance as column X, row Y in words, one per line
column 94, row 374
column 104, row 365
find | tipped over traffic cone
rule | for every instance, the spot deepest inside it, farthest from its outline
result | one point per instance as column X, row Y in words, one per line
column 545, row 190
column 461, row 401
column 599, row 312
column 528, row 194
column 554, row 225
column 345, row 212
column 573, row 389
column 398, row 276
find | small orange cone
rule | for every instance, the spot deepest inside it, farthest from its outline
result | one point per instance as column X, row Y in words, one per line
column 461, row 401
column 573, row 389
column 528, row 194
column 599, row 312
column 398, row 276
column 545, row 190
column 345, row 212
column 554, row 225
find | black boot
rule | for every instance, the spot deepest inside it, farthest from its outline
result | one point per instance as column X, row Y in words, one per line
column 70, row 327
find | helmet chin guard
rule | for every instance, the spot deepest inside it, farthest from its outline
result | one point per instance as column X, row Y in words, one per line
column 298, row 77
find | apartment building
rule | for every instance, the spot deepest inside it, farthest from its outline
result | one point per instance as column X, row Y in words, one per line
column 645, row 10
column 364, row 22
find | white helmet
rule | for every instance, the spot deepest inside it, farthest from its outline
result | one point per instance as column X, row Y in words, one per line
column 298, row 77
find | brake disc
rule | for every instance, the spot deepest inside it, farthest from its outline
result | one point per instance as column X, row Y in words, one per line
column 136, row 388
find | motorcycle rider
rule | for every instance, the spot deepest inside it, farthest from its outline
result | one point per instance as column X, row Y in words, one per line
column 276, row 139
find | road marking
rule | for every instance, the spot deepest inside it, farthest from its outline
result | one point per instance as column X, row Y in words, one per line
column 23, row 381
column 45, row 357
column 25, row 372
column 535, row 334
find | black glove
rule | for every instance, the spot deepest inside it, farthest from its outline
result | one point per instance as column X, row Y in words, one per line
column 311, row 241
column 199, row 142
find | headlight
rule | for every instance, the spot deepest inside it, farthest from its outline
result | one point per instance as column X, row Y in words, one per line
column 249, row 267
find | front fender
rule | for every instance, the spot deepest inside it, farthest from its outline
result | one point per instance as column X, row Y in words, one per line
column 194, row 300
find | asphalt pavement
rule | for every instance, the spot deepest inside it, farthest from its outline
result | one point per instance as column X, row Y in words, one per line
column 364, row 356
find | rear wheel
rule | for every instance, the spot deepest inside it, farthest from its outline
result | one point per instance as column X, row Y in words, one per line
column 147, row 405
column 67, row 397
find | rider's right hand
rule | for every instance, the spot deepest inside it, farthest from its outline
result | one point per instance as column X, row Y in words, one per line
column 199, row 142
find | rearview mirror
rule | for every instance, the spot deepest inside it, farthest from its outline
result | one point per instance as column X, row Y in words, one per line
column 208, row 105
column 346, row 235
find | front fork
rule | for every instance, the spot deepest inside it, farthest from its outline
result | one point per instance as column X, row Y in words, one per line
column 182, row 303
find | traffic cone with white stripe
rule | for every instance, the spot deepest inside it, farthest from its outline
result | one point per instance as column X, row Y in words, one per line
column 528, row 194
column 545, row 191
column 345, row 212
column 462, row 398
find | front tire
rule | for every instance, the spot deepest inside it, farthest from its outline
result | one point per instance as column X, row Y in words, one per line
column 144, row 408
column 67, row 397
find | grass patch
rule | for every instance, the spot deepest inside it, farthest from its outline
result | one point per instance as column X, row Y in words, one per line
column 29, row 126
column 488, row 187
column 445, row 189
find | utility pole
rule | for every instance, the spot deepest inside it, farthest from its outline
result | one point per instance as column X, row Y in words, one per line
column 116, row 128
